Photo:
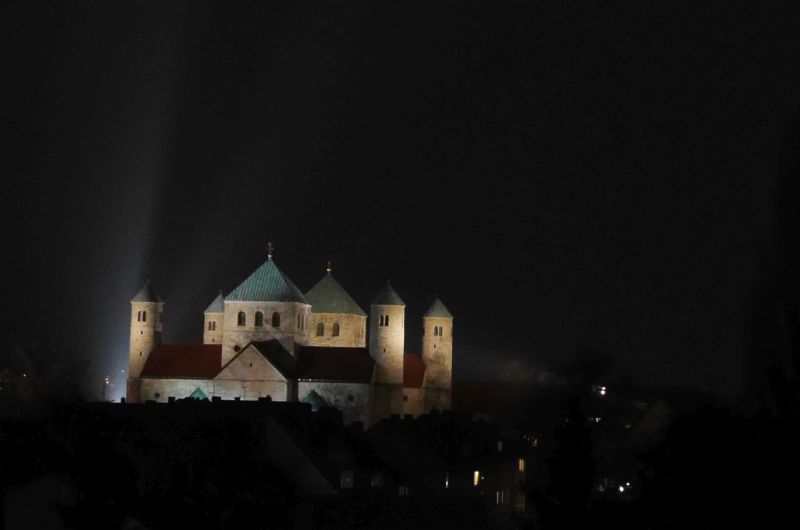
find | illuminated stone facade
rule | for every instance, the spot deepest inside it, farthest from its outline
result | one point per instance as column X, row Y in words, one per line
column 266, row 339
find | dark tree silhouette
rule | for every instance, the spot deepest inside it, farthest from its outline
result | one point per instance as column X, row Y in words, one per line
column 571, row 471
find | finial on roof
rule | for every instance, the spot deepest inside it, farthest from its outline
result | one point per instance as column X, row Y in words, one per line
column 270, row 249
column 329, row 268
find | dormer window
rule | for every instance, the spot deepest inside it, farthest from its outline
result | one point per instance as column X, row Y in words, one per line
column 241, row 319
column 259, row 318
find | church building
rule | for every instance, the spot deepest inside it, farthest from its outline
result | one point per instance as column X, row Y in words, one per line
column 266, row 338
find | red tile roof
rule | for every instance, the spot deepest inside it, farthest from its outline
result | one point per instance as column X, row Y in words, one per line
column 413, row 370
column 184, row 361
column 353, row 365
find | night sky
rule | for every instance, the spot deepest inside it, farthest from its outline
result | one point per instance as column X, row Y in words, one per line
column 569, row 176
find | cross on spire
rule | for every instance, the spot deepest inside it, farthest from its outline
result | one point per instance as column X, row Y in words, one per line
column 270, row 249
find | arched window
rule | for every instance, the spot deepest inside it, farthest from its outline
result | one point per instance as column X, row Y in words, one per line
column 139, row 316
column 441, row 331
column 320, row 329
column 276, row 320
column 380, row 320
column 242, row 320
column 386, row 320
column 259, row 318
column 209, row 325
column 144, row 316
column 435, row 331
column 336, row 330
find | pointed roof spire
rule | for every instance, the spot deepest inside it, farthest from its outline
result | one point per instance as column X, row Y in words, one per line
column 147, row 294
column 437, row 310
column 388, row 296
column 328, row 296
column 267, row 284
column 217, row 306
column 270, row 249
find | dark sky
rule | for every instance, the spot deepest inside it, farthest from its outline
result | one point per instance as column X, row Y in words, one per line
column 568, row 176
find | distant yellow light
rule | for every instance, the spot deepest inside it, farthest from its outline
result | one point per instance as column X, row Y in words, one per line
column 476, row 478
column 522, row 464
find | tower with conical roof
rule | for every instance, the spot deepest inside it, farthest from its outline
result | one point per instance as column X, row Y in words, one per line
column 336, row 319
column 213, row 321
column 386, row 346
column 437, row 355
column 147, row 316
column 266, row 305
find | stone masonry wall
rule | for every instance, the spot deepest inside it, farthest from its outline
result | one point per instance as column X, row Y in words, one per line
column 351, row 398
column 235, row 335
column 352, row 330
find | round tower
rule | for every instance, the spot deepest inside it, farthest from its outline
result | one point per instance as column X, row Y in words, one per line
column 147, row 323
column 387, row 335
column 213, row 319
column 386, row 346
column 437, row 346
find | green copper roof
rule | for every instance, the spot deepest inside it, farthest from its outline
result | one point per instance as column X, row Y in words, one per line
column 328, row 296
column 146, row 294
column 437, row 309
column 267, row 284
column 198, row 394
column 315, row 400
column 217, row 306
column 387, row 296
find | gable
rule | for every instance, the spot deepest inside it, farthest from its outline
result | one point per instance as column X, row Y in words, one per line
column 250, row 365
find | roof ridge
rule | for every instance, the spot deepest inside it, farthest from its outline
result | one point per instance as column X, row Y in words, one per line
column 267, row 284
column 328, row 296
